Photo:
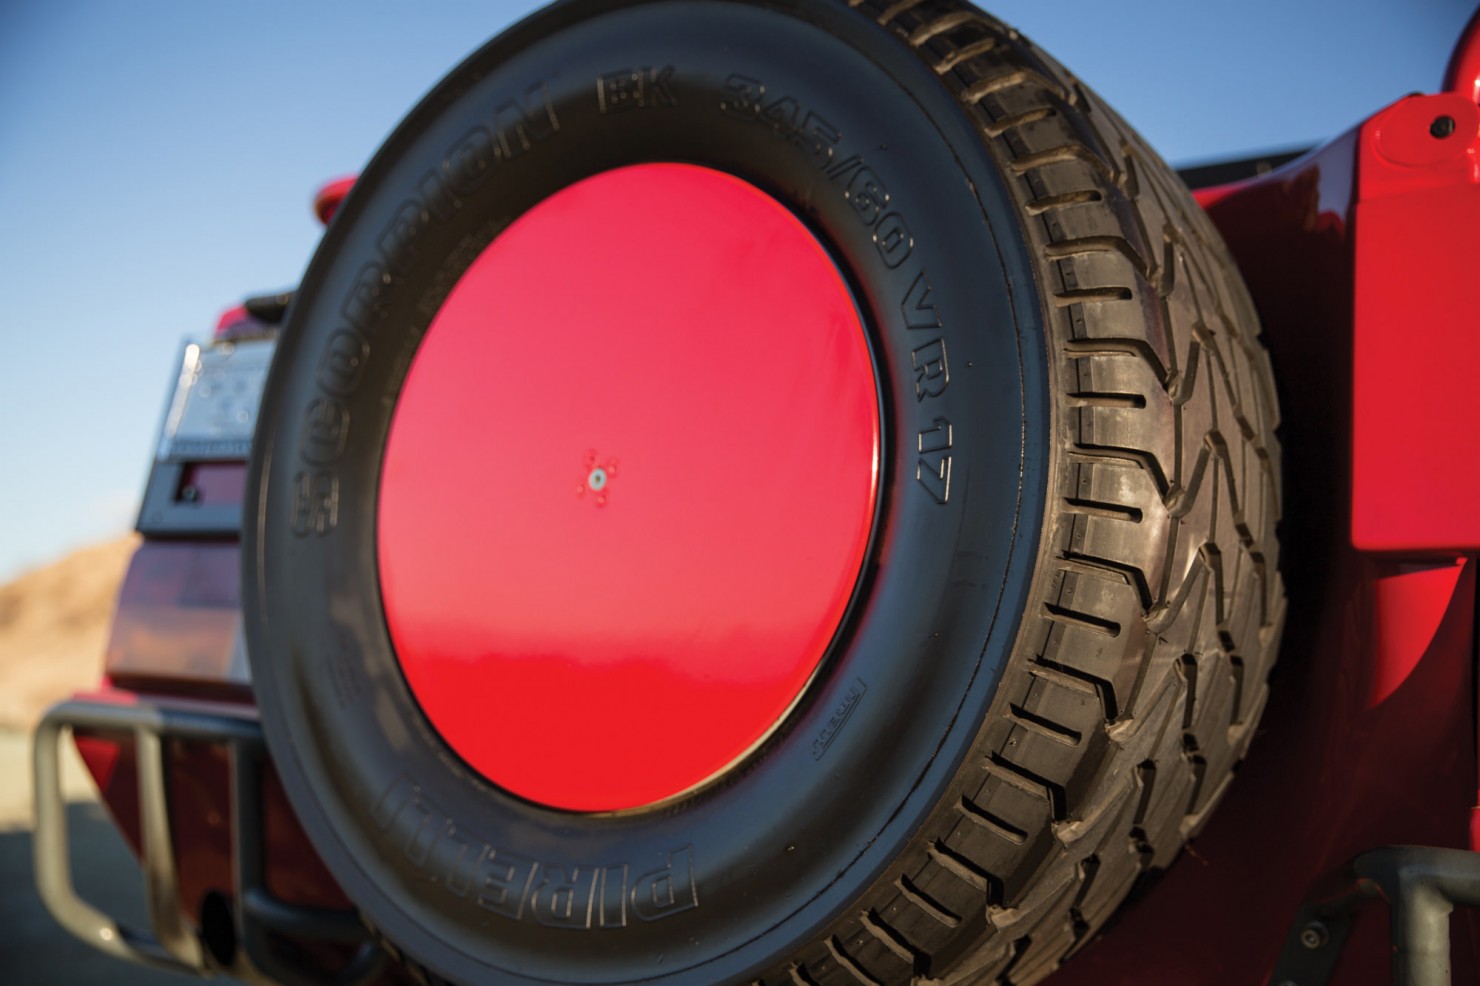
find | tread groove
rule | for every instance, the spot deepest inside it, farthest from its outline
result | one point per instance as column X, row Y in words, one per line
column 1039, row 206
column 983, row 88
column 1146, row 774
column 991, row 822
column 1058, row 155
column 1139, row 458
column 1077, row 296
column 800, row 976
column 893, row 940
column 1062, row 679
column 1089, row 245
column 1109, row 511
column 937, row 27
column 1106, row 568
column 846, row 961
column 1138, row 348
column 1000, row 126
column 961, row 867
column 1083, row 621
column 895, row 9
column 1056, row 797
column 1044, row 727
column 1097, row 399
column 1103, row 688
column 965, row 54
column 1189, row 674
column 927, row 903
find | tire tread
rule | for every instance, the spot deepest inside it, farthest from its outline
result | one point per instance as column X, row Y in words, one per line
column 1141, row 669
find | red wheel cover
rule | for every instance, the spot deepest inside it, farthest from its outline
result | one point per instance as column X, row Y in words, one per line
column 628, row 488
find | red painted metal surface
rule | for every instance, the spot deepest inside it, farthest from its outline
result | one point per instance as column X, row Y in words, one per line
column 628, row 488
column 1417, row 328
column 1462, row 76
column 237, row 323
column 327, row 199
column 233, row 318
column 1408, row 607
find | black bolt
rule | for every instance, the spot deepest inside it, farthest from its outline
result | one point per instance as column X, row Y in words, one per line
column 190, row 494
column 1442, row 127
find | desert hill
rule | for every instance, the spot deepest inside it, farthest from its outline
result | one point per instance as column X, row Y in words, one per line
column 53, row 627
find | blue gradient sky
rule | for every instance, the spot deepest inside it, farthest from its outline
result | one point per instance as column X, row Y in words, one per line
column 157, row 160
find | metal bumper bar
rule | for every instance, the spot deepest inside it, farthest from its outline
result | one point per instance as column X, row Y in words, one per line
column 261, row 921
column 1421, row 887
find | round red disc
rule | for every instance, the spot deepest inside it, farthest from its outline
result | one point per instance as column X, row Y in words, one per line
column 628, row 488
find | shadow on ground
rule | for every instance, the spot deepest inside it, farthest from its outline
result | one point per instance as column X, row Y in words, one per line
column 34, row 949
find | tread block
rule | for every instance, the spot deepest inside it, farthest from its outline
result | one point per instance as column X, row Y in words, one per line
column 923, row 923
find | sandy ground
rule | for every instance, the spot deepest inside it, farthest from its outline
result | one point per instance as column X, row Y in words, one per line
column 53, row 628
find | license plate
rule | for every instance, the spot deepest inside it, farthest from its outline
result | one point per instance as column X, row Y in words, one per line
column 214, row 408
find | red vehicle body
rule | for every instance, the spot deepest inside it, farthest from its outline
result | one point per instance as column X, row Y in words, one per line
column 1359, row 257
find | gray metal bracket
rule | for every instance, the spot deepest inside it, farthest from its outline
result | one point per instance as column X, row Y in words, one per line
column 1421, row 887
column 171, row 942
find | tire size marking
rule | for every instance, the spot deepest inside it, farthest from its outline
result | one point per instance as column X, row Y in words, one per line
column 872, row 204
column 805, row 129
column 558, row 895
column 634, row 89
column 932, row 376
column 514, row 126
column 839, row 718
column 933, row 469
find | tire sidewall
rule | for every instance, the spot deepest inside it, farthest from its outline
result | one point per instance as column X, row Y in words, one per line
column 474, row 882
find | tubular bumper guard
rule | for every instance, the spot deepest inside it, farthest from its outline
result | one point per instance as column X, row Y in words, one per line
column 1421, row 885
column 172, row 943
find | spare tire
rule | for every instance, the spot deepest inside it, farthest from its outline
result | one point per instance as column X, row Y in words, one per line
column 761, row 492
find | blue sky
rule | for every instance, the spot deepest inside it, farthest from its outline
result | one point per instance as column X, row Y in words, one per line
column 157, row 160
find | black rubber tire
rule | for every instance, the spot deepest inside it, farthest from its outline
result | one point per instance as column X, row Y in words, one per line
column 1059, row 649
